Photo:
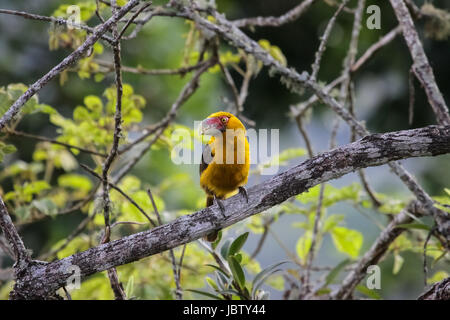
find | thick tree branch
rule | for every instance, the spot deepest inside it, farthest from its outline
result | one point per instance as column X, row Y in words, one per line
column 40, row 280
column 438, row 291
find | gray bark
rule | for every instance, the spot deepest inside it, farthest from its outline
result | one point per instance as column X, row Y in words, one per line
column 40, row 280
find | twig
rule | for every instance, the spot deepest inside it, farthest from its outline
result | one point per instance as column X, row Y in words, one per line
column 138, row 12
column 324, row 39
column 260, row 244
column 386, row 39
column 115, row 187
column 59, row 21
column 425, row 244
column 411, row 96
column 154, row 72
column 176, row 272
column 376, row 203
column 289, row 16
column 69, row 238
column 300, row 108
column 41, row 138
column 97, row 12
column 230, row 82
column 116, row 286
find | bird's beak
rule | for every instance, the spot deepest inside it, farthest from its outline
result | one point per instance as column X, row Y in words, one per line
column 211, row 127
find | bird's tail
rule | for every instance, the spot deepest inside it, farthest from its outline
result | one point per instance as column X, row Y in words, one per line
column 211, row 237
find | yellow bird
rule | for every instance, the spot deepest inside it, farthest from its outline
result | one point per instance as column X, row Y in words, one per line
column 225, row 160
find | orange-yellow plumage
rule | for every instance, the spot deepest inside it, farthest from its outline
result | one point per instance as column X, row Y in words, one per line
column 230, row 157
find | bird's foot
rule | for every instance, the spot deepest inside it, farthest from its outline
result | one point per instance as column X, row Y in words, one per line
column 243, row 191
column 221, row 206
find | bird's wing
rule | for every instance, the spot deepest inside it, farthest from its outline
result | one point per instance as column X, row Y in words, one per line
column 204, row 163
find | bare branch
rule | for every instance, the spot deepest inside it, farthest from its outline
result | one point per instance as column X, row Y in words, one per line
column 386, row 39
column 324, row 39
column 176, row 272
column 153, row 72
column 59, row 21
column 41, row 138
column 40, row 280
column 289, row 16
column 421, row 66
column 112, row 185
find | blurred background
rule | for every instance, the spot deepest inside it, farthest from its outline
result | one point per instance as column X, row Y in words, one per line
column 382, row 99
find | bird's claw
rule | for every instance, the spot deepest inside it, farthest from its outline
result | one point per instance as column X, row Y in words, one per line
column 243, row 191
column 221, row 206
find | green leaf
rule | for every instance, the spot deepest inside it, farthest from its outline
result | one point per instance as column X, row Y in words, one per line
column 447, row 191
column 438, row 276
column 369, row 293
column 9, row 148
column 46, row 206
column 335, row 271
column 347, row 240
column 237, row 244
column 236, row 270
column 35, row 188
column 80, row 114
column 414, row 226
column 263, row 275
column 217, row 268
column 304, row 245
column 332, row 221
column 216, row 242
column 212, row 284
column 204, row 293
column 130, row 287
column 224, row 249
column 93, row 103
column 398, row 263
column 75, row 181
column 233, row 293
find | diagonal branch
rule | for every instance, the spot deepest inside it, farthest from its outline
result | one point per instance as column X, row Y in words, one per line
column 421, row 66
column 41, row 280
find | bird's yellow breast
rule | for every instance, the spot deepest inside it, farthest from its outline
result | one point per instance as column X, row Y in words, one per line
column 221, row 177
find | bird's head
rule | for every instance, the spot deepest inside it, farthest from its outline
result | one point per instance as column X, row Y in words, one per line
column 217, row 123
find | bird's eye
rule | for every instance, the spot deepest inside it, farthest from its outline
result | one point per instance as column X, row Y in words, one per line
column 224, row 120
